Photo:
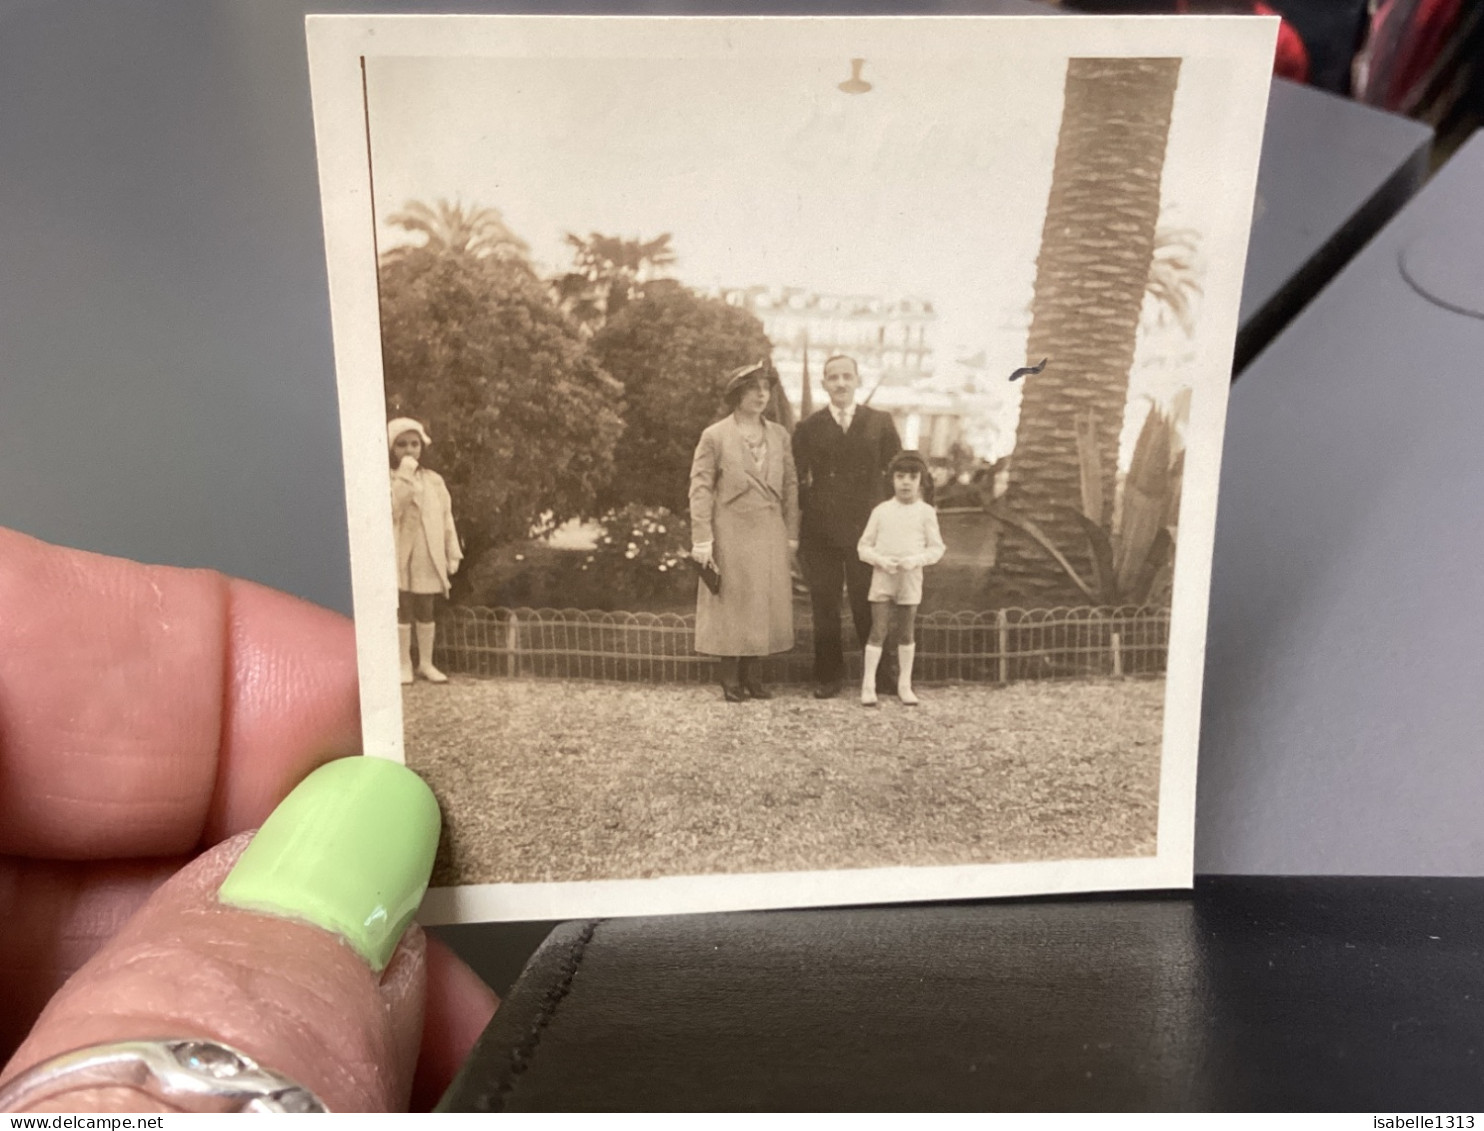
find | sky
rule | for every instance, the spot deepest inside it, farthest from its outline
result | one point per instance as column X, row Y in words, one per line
column 931, row 185
column 763, row 175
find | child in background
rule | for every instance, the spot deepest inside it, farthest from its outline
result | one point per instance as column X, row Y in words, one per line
column 428, row 551
column 900, row 539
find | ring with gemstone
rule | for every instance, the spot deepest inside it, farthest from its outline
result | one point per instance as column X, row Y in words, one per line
column 188, row 1074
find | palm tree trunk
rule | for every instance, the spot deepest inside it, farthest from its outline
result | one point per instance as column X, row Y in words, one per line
column 1091, row 275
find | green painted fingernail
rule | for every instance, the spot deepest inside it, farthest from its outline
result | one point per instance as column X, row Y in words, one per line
column 349, row 850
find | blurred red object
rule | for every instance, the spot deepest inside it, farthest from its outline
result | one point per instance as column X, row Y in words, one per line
column 1291, row 60
column 1405, row 39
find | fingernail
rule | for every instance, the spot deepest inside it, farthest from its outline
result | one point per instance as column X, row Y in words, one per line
column 349, row 850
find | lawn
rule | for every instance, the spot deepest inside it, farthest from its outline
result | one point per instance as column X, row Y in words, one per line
column 552, row 780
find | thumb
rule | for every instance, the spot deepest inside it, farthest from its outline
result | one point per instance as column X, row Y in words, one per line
column 290, row 948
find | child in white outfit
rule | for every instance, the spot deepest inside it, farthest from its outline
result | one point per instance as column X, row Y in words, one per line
column 428, row 551
column 900, row 539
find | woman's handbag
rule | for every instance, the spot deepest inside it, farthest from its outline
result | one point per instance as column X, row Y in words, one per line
column 710, row 576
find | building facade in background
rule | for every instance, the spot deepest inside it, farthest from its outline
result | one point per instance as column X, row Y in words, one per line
column 938, row 405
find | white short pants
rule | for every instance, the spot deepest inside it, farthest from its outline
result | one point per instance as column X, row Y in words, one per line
column 902, row 588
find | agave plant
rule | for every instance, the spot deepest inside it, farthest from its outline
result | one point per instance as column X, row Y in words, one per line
column 1133, row 556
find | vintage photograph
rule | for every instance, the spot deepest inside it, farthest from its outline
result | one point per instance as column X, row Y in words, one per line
column 786, row 450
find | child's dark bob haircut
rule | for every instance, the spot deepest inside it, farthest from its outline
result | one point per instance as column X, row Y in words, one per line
column 908, row 461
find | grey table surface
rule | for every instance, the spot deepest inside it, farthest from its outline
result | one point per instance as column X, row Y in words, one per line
column 167, row 382
column 1343, row 713
column 1333, row 171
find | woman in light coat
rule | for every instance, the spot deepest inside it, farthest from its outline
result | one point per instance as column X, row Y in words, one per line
column 428, row 551
column 744, row 513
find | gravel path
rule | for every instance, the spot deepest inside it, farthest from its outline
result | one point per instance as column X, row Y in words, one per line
column 547, row 780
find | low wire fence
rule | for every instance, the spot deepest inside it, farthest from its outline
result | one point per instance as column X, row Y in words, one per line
column 998, row 646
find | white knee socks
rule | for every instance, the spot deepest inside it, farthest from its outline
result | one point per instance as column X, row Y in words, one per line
column 905, row 654
column 868, row 679
column 404, row 640
column 425, row 668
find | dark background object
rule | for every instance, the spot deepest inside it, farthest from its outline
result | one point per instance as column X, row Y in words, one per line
column 1449, row 93
column 1255, row 995
column 1332, row 30
column 497, row 952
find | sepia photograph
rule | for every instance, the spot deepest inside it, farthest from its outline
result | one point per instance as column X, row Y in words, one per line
column 781, row 453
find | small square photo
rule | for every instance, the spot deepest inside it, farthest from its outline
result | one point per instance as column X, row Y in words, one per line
column 782, row 453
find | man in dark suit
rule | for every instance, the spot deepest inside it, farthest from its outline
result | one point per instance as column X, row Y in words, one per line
column 841, row 453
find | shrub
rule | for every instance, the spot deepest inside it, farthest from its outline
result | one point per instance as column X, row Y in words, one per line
column 643, row 553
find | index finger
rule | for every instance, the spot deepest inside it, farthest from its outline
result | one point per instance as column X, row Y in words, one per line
column 148, row 710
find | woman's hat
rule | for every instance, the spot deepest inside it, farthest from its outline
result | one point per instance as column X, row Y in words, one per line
column 746, row 376
column 395, row 428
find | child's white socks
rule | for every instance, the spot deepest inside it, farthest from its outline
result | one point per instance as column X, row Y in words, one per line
column 905, row 655
column 425, row 668
column 868, row 679
column 404, row 641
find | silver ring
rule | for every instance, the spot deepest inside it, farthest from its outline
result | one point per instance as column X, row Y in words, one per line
column 188, row 1074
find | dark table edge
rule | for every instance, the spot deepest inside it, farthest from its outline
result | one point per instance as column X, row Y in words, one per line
column 1269, row 320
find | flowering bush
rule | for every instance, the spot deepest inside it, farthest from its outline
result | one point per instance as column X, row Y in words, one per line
column 643, row 552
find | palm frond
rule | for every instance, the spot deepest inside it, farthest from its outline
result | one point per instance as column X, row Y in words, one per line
column 451, row 228
column 1175, row 271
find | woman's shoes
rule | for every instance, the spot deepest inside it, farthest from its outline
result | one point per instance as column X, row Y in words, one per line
column 730, row 671
column 742, row 692
column 751, row 682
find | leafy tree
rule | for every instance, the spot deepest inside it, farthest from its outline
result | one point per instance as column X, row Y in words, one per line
column 452, row 229
column 523, row 418
column 609, row 272
column 672, row 350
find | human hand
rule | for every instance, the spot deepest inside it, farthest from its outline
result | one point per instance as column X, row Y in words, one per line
column 407, row 466
column 453, row 566
column 703, row 556
column 149, row 713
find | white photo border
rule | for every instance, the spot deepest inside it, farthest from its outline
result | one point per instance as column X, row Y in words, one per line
column 338, row 47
